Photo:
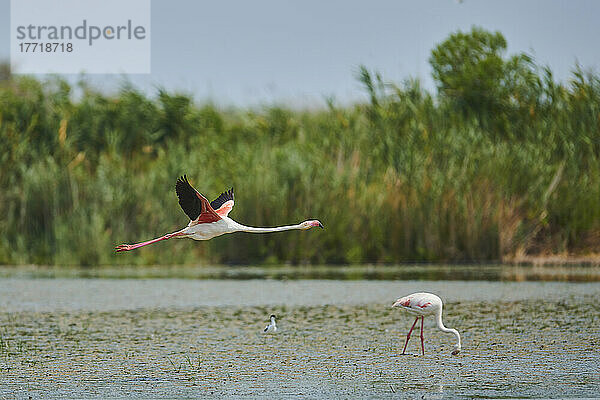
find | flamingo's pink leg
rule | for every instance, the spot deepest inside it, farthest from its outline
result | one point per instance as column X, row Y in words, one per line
column 127, row 247
column 408, row 336
column 422, row 345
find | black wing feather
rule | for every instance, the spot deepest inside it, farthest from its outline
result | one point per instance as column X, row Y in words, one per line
column 223, row 197
column 188, row 199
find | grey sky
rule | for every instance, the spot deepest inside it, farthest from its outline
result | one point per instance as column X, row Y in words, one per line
column 299, row 52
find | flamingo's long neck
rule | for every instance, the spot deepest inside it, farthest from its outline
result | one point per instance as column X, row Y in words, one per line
column 440, row 324
column 252, row 229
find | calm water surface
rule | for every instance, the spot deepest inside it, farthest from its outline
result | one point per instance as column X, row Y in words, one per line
column 68, row 337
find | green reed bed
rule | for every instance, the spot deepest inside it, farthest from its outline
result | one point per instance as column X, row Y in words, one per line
column 502, row 160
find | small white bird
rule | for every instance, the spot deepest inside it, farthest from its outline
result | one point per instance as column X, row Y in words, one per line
column 272, row 327
column 422, row 304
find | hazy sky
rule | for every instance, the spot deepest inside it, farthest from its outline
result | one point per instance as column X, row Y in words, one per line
column 254, row 52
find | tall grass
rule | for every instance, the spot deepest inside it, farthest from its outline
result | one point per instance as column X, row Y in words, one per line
column 404, row 177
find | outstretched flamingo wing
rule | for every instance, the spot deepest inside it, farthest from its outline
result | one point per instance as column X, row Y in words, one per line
column 196, row 207
column 224, row 203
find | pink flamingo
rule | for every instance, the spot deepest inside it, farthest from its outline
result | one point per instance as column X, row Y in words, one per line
column 208, row 220
column 422, row 304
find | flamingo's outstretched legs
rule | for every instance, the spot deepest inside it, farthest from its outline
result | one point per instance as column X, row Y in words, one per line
column 408, row 336
column 128, row 247
column 422, row 345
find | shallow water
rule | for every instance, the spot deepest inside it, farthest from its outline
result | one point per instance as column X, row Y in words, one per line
column 509, row 273
column 102, row 338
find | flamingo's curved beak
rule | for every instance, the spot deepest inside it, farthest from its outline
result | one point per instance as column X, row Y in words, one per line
column 316, row 222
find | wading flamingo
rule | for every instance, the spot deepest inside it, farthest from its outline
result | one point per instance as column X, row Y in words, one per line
column 422, row 304
column 208, row 220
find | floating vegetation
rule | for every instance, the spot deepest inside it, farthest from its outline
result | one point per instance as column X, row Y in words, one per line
column 537, row 347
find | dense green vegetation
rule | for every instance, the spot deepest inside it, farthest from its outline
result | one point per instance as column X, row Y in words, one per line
column 502, row 160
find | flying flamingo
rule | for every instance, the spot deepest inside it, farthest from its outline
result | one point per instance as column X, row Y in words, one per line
column 422, row 304
column 208, row 220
